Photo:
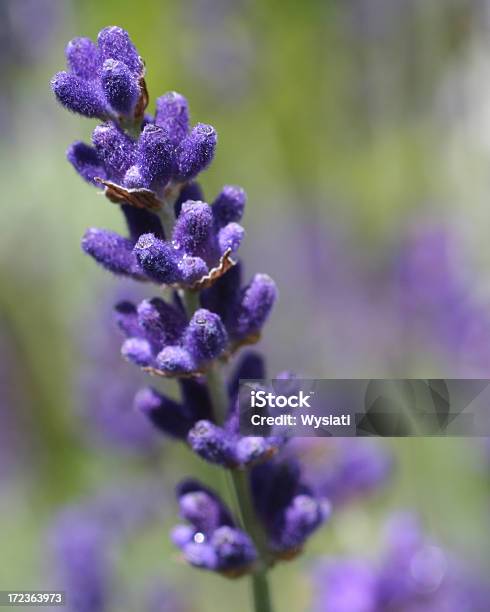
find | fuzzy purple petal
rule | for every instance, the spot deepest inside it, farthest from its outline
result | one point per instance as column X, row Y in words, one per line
column 172, row 114
column 196, row 151
column 86, row 161
column 111, row 251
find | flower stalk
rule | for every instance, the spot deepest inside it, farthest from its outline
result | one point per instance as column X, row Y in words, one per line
column 148, row 165
column 240, row 488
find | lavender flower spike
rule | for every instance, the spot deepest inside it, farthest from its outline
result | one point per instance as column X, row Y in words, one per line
column 148, row 165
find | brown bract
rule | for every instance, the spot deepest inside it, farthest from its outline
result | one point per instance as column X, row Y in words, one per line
column 139, row 198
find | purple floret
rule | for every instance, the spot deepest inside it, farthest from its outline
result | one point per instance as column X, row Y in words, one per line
column 196, row 151
column 120, row 88
column 290, row 511
column 111, row 251
column 160, row 337
column 243, row 310
column 205, row 337
column 172, row 114
column 86, row 161
column 155, row 158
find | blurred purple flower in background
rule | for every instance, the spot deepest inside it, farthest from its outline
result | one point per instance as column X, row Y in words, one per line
column 22, row 45
column 342, row 469
column 86, row 538
column 414, row 575
column 105, row 402
column 438, row 308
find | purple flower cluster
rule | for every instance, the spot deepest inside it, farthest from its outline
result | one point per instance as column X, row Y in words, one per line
column 163, row 339
column 103, row 79
column 148, row 165
column 196, row 253
column 414, row 575
column 192, row 419
column 86, row 538
column 287, row 509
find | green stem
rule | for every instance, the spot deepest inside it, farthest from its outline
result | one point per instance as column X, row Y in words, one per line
column 167, row 211
column 240, row 482
column 217, row 392
column 261, row 592
column 240, row 487
column 191, row 301
column 167, row 218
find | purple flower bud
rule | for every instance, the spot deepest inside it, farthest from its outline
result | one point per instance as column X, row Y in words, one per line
column 233, row 547
column 172, row 114
column 86, row 161
column 251, row 449
column 196, row 151
column 201, row 509
column 201, row 555
column 82, row 58
column 181, row 535
column 114, row 43
column 212, row 443
column 205, row 337
column 224, row 296
column 206, row 511
column 196, row 398
column 302, row 517
column 175, row 360
column 190, row 191
column 77, row 95
column 165, row 414
column 115, row 148
column 111, row 251
column 126, row 318
column 256, row 303
column 133, row 179
column 157, row 258
column 285, row 505
column 120, row 87
column 137, row 350
column 155, row 157
column 192, row 269
column 229, row 205
column 230, row 237
column 250, row 367
column 193, row 231
column 162, row 323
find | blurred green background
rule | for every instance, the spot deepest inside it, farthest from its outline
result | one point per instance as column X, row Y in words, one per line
column 348, row 120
